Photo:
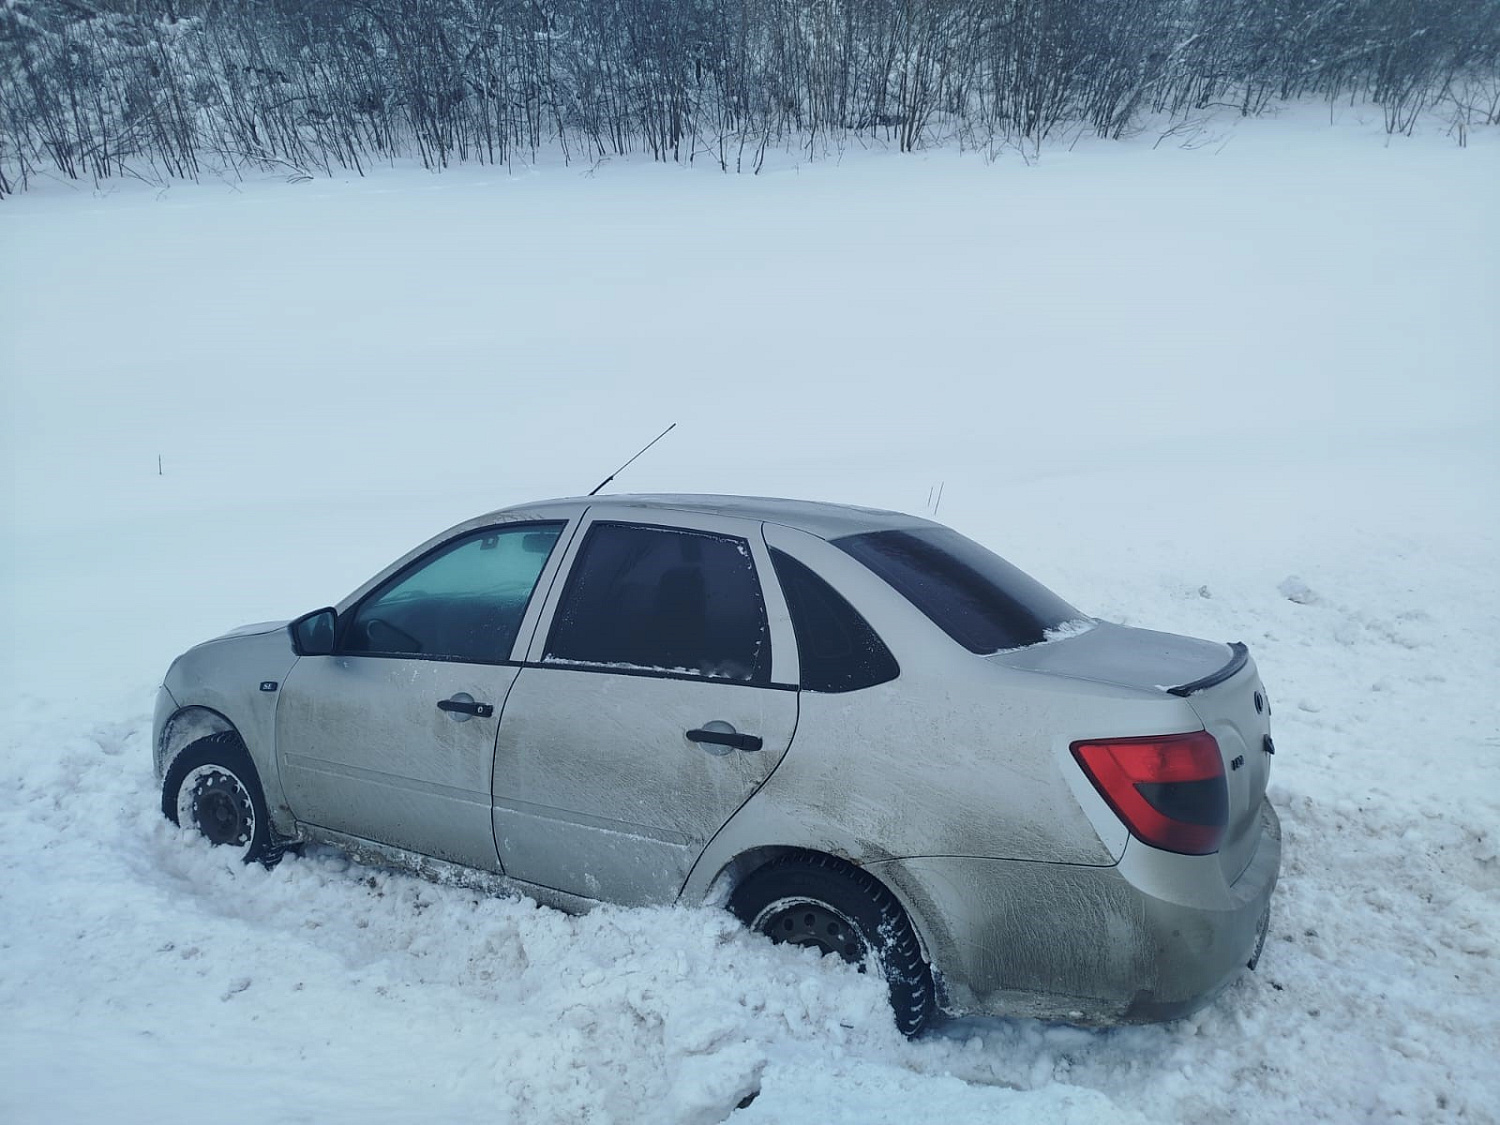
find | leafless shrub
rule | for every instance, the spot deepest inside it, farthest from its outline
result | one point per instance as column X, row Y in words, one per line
column 91, row 89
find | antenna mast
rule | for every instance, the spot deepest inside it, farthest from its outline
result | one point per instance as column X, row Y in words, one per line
column 625, row 466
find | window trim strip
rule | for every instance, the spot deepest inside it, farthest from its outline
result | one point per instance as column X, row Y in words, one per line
column 564, row 666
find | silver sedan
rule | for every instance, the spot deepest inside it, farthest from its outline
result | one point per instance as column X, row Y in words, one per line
column 858, row 730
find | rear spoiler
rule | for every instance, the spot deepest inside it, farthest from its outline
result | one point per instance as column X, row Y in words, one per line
column 1239, row 655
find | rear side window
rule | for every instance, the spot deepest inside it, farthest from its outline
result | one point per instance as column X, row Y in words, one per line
column 663, row 599
column 836, row 648
column 972, row 594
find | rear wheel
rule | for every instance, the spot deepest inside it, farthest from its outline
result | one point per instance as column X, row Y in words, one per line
column 212, row 787
column 836, row 908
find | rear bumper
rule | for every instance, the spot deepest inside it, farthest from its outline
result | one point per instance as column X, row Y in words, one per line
column 1152, row 938
column 1199, row 947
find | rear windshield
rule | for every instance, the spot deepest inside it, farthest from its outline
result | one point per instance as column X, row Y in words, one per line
column 972, row 594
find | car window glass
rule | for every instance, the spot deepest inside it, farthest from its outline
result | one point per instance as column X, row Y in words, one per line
column 663, row 599
column 463, row 602
column 972, row 594
column 836, row 648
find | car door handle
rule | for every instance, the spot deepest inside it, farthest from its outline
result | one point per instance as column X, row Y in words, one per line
column 726, row 738
column 462, row 704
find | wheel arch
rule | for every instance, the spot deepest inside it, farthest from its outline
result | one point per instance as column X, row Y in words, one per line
column 186, row 726
column 730, row 874
column 190, row 723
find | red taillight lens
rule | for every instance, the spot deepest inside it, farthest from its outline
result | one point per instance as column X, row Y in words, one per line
column 1169, row 790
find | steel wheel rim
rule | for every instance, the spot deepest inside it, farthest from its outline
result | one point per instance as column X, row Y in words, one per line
column 215, row 802
column 814, row 925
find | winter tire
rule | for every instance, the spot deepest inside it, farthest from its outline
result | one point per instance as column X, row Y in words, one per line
column 212, row 787
column 830, row 905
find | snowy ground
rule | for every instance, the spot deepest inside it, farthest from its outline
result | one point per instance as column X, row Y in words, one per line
column 1245, row 389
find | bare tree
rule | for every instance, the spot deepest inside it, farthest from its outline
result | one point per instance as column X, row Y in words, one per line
column 98, row 88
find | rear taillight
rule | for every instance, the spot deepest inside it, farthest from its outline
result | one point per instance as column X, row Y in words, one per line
column 1169, row 790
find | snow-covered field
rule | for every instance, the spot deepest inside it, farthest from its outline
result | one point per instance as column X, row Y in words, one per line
column 1244, row 389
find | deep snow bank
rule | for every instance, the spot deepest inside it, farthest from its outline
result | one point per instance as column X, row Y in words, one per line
column 1245, row 391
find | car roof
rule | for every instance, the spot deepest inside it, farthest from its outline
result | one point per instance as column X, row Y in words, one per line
column 825, row 520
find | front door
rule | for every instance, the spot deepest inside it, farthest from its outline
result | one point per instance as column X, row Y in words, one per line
column 660, row 699
column 392, row 738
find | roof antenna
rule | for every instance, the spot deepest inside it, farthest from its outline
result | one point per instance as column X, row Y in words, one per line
column 625, row 466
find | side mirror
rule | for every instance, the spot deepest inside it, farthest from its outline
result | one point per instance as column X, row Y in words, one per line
column 313, row 633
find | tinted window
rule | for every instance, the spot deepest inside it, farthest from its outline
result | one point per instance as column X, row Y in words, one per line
column 664, row 599
column 836, row 648
column 972, row 594
column 465, row 601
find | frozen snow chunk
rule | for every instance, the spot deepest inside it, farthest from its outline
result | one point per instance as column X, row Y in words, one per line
column 1074, row 628
column 1485, row 850
column 707, row 1088
column 1293, row 589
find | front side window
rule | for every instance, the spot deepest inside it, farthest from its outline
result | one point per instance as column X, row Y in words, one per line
column 972, row 594
column 665, row 600
column 465, row 601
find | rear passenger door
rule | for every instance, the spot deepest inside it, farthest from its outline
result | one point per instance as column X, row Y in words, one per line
column 658, row 696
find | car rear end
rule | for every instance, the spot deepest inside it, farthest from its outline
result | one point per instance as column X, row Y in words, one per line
column 1207, row 914
column 1164, row 743
column 1203, row 849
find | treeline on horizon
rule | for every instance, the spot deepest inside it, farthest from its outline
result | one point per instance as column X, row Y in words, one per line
column 176, row 88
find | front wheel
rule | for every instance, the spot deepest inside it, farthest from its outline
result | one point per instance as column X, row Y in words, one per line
column 834, row 907
column 212, row 787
